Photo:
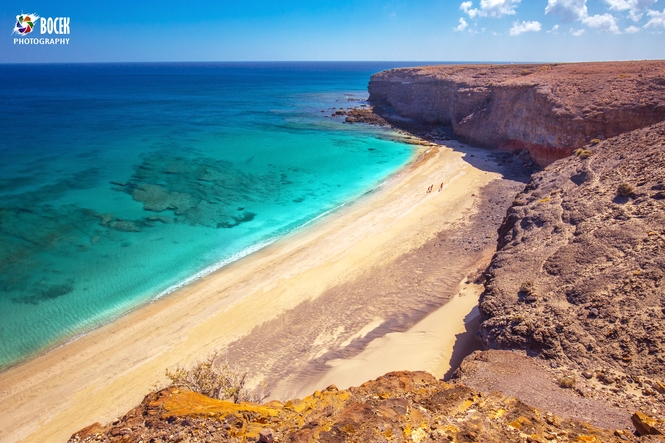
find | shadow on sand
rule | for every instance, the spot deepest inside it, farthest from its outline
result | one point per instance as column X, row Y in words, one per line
column 465, row 342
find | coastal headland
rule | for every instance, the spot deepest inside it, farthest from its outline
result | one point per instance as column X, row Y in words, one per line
column 548, row 109
column 572, row 306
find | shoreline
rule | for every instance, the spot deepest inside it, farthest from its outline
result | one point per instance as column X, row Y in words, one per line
column 97, row 376
column 217, row 266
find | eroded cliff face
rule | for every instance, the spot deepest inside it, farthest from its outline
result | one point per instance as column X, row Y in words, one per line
column 548, row 109
column 579, row 273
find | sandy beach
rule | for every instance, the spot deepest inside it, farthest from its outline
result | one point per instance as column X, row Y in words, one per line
column 361, row 292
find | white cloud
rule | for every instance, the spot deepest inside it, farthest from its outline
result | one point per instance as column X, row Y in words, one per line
column 462, row 25
column 631, row 30
column 490, row 8
column 657, row 19
column 605, row 22
column 578, row 32
column 554, row 30
column 619, row 5
column 520, row 28
column 468, row 8
column 569, row 10
column 636, row 8
column 498, row 8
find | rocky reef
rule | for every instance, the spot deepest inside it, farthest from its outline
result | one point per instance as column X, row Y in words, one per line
column 200, row 191
column 549, row 109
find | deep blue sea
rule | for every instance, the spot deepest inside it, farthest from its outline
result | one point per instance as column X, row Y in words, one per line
column 122, row 182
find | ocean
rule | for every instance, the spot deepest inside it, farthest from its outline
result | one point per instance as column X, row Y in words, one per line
column 122, row 182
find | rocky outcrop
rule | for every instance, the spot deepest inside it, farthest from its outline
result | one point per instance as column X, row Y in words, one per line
column 601, row 398
column 549, row 109
column 399, row 407
column 579, row 274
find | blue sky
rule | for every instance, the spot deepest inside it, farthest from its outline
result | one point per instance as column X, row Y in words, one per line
column 425, row 30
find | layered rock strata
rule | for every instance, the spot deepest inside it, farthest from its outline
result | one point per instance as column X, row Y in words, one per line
column 549, row 109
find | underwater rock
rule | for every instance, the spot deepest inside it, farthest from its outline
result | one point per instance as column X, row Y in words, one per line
column 202, row 191
column 45, row 294
column 124, row 225
column 157, row 199
column 160, row 218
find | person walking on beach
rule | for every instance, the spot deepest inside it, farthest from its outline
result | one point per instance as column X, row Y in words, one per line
column 441, row 187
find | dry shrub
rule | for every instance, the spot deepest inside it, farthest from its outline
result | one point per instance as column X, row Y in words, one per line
column 216, row 378
column 527, row 287
column 567, row 382
column 583, row 153
column 625, row 190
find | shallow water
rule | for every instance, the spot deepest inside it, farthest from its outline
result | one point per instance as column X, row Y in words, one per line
column 118, row 183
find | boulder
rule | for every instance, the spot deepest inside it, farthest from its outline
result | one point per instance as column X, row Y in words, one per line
column 646, row 425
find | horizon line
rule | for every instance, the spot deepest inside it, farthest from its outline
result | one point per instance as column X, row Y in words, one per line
column 450, row 62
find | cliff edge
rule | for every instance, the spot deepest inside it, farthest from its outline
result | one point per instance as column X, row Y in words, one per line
column 549, row 109
column 398, row 407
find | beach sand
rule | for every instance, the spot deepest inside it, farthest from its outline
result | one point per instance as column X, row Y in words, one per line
column 363, row 288
column 427, row 346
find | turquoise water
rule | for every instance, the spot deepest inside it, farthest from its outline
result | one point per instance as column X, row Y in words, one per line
column 119, row 183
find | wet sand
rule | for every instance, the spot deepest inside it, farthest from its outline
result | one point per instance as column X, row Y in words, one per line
column 296, row 313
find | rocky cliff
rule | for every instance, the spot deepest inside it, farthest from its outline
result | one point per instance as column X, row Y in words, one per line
column 579, row 274
column 549, row 109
